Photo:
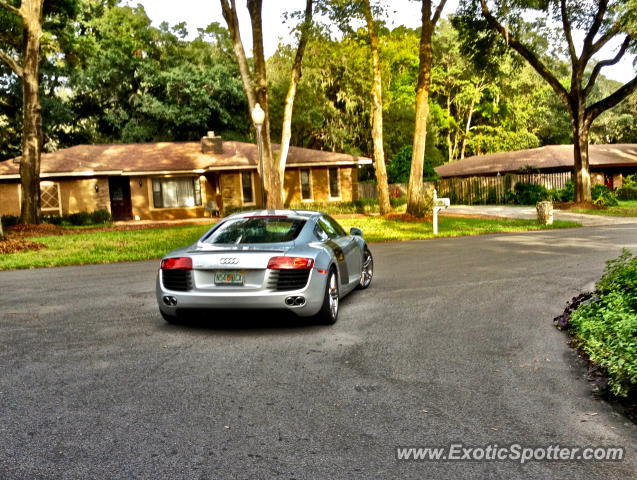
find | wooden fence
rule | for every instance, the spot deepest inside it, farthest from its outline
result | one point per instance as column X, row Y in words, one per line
column 495, row 190
column 476, row 190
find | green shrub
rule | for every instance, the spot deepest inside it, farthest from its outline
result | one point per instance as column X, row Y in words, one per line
column 232, row 209
column 10, row 220
column 606, row 328
column 529, row 193
column 397, row 201
column 52, row 219
column 620, row 275
column 626, row 193
column 365, row 205
column 78, row 219
column 566, row 194
column 604, row 196
column 630, row 181
column 99, row 217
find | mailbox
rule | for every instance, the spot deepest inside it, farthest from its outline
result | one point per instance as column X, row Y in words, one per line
column 439, row 204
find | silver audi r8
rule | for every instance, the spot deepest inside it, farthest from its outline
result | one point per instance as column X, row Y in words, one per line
column 301, row 261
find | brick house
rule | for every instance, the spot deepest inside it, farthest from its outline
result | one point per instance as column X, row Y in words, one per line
column 176, row 180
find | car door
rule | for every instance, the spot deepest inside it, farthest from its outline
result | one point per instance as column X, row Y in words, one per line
column 346, row 249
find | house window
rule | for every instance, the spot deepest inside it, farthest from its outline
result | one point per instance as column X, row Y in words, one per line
column 335, row 186
column 247, row 188
column 50, row 198
column 176, row 192
column 306, row 184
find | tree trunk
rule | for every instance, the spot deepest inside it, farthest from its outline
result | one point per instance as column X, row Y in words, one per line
column 295, row 76
column 467, row 129
column 229, row 11
column 271, row 178
column 450, row 149
column 416, row 194
column 32, row 114
column 580, row 152
column 377, row 115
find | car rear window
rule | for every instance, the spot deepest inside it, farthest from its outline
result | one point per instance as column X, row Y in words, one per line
column 256, row 230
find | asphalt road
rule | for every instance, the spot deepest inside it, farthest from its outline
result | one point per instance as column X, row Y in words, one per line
column 453, row 342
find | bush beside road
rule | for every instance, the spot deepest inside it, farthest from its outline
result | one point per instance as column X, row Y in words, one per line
column 603, row 324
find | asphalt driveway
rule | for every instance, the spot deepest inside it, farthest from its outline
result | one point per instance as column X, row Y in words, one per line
column 452, row 343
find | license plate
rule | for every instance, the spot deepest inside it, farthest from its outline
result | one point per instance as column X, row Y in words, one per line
column 229, row 277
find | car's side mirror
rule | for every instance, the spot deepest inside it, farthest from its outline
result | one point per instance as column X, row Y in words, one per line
column 356, row 231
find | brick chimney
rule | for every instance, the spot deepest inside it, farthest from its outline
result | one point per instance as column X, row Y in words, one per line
column 211, row 143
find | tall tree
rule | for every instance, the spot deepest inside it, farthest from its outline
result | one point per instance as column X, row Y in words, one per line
column 255, row 85
column 377, row 111
column 416, row 201
column 133, row 82
column 27, row 68
column 295, row 77
column 332, row 108
column 601, row 22
column 345, row 13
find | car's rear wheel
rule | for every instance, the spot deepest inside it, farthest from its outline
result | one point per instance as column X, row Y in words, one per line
column 328, row 314
column 367, row 271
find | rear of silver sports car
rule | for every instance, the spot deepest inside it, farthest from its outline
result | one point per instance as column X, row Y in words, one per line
column 240, row 280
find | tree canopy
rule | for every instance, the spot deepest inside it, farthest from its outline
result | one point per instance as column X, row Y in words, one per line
column 109, row 75
column 500, row 24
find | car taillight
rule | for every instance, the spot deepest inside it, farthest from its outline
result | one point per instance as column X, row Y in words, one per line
column 290, row 263
column 177, row 263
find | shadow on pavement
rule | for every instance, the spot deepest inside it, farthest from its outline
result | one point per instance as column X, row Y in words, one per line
column 242, row 320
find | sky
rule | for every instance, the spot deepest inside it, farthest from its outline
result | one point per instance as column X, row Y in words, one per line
column 200, row 13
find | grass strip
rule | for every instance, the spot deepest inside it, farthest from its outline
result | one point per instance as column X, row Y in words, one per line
column 626, row 208
column 134, row 245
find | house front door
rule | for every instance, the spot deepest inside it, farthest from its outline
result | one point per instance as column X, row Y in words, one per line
column 119, row 188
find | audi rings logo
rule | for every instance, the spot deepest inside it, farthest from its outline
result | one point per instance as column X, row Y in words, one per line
column 229, row 261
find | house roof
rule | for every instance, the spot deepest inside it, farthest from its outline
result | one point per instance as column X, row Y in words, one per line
column 549, row 157
column 166, row 157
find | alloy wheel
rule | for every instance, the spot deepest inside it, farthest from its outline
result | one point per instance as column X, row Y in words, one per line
column 333, row 296
column 367, row 271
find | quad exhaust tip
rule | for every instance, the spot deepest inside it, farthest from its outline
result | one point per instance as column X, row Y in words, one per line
column 170, row 301
column 295, row 301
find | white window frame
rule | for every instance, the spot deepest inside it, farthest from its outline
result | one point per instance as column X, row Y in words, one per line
column 311, row 199
column 254, row 199
column 338, row 181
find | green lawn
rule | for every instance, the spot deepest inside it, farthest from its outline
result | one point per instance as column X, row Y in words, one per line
column 131, row 245
column 103, row 247
column 626, row 208
column 376, row 229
